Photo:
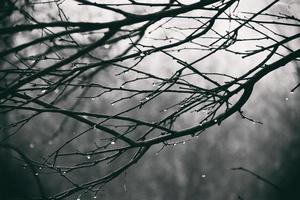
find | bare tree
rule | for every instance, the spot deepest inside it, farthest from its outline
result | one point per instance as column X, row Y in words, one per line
column 57, row 66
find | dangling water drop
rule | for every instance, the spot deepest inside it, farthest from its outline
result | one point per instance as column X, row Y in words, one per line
column 203, row 176
column 142, row 54
column 43, row 91
column 93, row 99
column 106, row 46
column 113, row 142
column 88, row 157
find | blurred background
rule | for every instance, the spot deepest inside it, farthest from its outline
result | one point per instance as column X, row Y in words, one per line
column 200, row 168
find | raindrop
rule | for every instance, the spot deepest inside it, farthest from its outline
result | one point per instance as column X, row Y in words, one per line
column 43, row 91
column 40, row 168
column 85, row 117
column 147, row 98
column 50, row 142
column 25, row 166
column 94, row 197
column 56, row 91
column 286, row 99
column 112, row 104
column 122, row 86
column 142, row 54
column 113, row 142
column 93, row 99
column 88, row 157
column 78, row 198
column 64, row 172
column 183, row 142
column 106, row 46
column 36, row 174
column 174, row 144
column 253, row 122
column 31, row 145
column 292, row 92
column 203, row 176
column 215, row 120
column 165, row 110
